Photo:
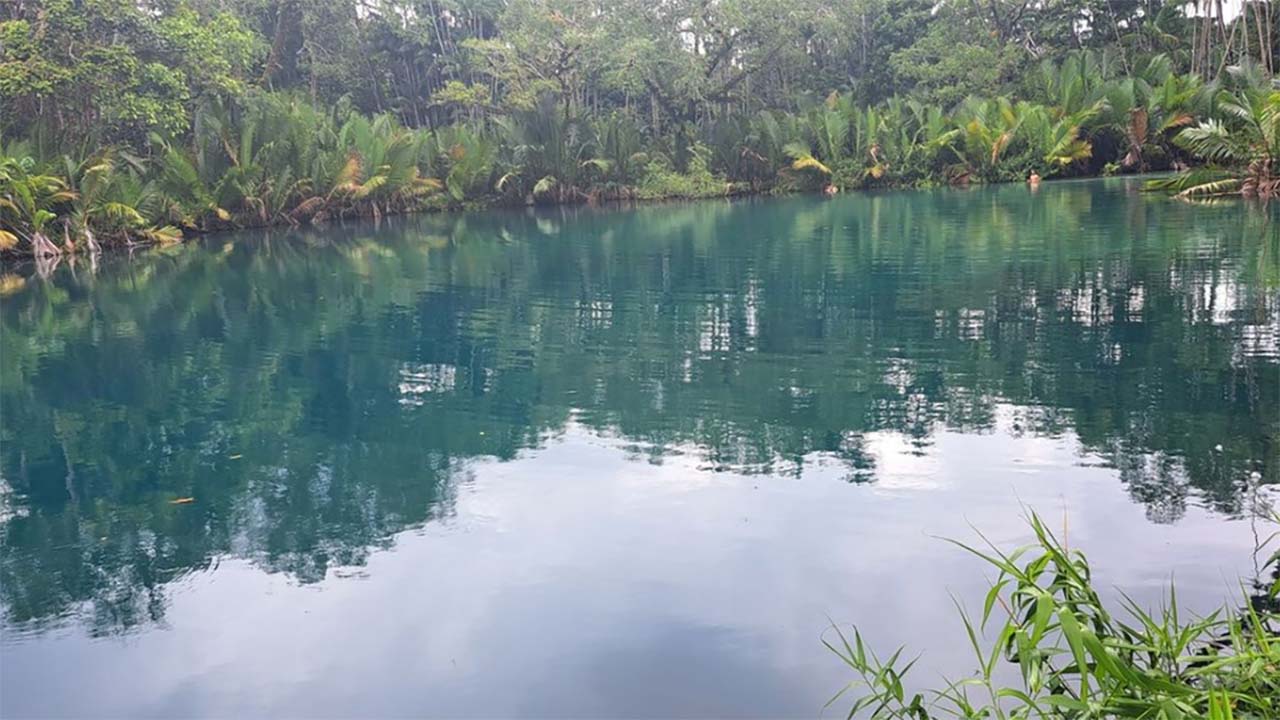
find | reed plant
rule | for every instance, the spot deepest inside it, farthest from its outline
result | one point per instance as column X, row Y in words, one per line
column 1076, row 657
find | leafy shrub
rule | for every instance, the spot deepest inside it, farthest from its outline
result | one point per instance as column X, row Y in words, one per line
column 661, row 180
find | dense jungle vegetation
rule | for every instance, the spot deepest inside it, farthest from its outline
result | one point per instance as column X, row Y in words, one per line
column 128, row 121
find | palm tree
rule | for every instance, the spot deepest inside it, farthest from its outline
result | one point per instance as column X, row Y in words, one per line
column 186, row 198
column 1242, row 148
column 1149, row 106
column 380, row 172
column 925, row 133
column 28, row 201
column 548, row 152
column 803, row 160
column 112, row 202
column 1057, row 139
column 825, row 151
column 768, row 145
column 873, row 139
column 1078, row 82
column 463, row 157
column 618, row 150
column 987, row 128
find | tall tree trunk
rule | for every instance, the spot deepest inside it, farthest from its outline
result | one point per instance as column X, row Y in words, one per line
column 1243, row 21
column 1195, row 47
column 1229, row 41
column 313, row 80
column 1264, row 47
column 288, row 22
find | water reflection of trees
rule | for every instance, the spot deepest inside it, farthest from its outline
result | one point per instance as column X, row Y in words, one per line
column 319, row 393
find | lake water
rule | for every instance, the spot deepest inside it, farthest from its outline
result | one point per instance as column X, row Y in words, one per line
column 585, row 462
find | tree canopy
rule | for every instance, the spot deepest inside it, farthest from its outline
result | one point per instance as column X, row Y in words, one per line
column 115, row 69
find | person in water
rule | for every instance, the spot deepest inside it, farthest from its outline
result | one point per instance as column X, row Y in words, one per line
column 1033, row 179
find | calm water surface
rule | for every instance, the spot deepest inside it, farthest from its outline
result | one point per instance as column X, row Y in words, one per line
column 622, row 463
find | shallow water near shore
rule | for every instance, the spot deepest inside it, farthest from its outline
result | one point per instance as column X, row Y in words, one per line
column 614, row 462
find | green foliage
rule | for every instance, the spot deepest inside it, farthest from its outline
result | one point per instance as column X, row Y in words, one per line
column 1243, row 146
column 111, row 197
column 113, row 71
column 293, row 111
column 661, row 180
column 1076, row 658
column 988, row 129
column 465, row 158
column 28, row 205
column 946, row 65
column 468, row 99
column 546, row 152
column 618, row 154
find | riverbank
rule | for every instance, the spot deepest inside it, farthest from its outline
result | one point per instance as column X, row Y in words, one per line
column 274, row 159
column 374, row 167
column 132, row 241
column 438, row 203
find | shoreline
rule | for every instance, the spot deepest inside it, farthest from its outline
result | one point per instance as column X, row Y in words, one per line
column 9, row 258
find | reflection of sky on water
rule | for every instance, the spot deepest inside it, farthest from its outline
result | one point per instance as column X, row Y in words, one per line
column 585, row 462
column 574, row 581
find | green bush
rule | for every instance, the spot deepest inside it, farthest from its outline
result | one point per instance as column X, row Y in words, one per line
column 661, row 180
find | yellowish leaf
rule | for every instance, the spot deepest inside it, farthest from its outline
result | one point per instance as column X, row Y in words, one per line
column 10, row 284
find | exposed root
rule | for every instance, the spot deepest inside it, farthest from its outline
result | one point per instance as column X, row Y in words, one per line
column 46, row 264
column 91, row 242
column 1261, row 182
column 41, row 247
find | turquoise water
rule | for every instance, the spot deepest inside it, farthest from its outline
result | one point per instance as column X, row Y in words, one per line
column 585, row 462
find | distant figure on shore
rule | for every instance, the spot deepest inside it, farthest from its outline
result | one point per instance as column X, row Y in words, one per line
column 1033, row 180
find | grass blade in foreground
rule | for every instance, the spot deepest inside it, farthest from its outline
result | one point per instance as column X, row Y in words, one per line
column 1076, row 660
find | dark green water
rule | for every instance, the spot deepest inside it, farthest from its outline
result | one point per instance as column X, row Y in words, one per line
column 591, row 462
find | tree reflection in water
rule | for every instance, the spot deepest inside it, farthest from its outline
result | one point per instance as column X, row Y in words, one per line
column 320, row 391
